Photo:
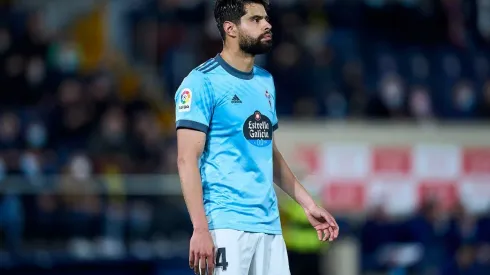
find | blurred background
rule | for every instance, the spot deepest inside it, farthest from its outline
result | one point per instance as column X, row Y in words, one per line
column 384, row 108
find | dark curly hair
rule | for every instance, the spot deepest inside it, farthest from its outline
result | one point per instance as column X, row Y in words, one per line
column 232, row 10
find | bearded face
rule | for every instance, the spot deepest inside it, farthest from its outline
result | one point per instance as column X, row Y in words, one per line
column 255, row 45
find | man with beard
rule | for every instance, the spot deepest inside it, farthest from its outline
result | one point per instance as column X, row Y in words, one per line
column 227, row 160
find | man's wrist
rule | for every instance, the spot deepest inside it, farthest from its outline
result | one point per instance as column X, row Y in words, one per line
column 200, row 225
column 309, row 204
column 304, row 198
column 201, row 229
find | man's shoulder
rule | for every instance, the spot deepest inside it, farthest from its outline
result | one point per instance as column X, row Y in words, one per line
column 202, row 73
column 207, row 66
column 207, row 72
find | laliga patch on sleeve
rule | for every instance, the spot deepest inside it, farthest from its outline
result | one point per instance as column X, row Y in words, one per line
column 185, row 100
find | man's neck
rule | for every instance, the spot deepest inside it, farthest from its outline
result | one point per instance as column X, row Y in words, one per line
column 238, row 59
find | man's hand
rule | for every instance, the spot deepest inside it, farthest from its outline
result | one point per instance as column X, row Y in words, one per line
column 201, row 252
column 323, row 222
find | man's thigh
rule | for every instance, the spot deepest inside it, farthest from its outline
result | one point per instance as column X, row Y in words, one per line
column 234, row 251
column 271, row 257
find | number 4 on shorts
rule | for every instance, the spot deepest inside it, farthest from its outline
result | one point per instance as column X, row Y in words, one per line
column 221, row 258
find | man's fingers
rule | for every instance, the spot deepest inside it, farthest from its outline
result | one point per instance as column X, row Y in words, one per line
column 326, row 235
column 329, row 219
column 333, row 224
column 320, row 234
column 196, row 263
column 322, row 226
column 210, row 266
column 336, row 232
column 191, row 259
column 211, row 262
column 330, row 230
column 334, row 221
column 202, row 264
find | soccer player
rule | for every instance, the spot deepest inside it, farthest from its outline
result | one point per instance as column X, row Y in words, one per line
column 227, row 158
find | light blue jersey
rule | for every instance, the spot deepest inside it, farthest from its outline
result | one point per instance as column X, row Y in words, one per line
column 237, row 112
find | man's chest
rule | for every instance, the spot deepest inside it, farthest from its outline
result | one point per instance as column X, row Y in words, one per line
column 238, row 105
column 247, row 112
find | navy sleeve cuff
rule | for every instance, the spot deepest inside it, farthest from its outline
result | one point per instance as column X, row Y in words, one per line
column 193, row 125
column 275, row 126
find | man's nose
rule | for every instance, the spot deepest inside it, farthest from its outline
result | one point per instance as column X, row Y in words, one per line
column 267, row 26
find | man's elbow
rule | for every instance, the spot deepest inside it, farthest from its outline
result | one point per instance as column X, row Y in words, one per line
column 184, row 161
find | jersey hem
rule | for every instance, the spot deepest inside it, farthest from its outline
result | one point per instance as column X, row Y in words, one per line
column 251, row 229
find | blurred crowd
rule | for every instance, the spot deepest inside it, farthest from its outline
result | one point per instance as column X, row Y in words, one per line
column 52, row 112
column 433, row 241
column 62, row 126
column 418, row 59
column 422, row 59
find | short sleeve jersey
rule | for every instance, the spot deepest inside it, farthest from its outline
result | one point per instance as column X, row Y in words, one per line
column 237, row 112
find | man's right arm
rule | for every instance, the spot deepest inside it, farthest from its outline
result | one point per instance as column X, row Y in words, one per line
column 194, row 103
column 193, row 108
column 201, row 249
column 190, row 145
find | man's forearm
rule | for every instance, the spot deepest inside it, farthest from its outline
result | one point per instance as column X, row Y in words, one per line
column 287, row 181
column 192, row 189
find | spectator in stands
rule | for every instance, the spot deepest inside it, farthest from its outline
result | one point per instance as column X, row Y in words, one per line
column 36, row 86
column 483, row 256
column 169, row 158
column 290, row 69
column 353, row 88
column 484, row 104
column 64, row 56
column 462, row 230
column 13, row 80
column 112, row 136
column 420, row 103
column 44, row 216
column 464, row 101
column 5, row 42
column 463, row 263
column 10, row 138
column 390, row 101
column 34, row 41
column 11, row 208
column 140, row 217
column 149, row 145
column 80, row 201
column 373, row 242
column 102, row 92
column 428, row 228
column 483, row 234
column 72, row 118
column 11, row 215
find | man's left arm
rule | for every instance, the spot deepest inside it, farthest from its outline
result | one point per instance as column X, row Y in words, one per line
column 320, row 219
column 287, row 181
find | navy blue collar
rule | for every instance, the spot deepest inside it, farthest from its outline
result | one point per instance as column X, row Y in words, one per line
column 234, row 72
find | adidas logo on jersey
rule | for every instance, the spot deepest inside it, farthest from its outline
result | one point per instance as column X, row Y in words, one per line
column 235, row 100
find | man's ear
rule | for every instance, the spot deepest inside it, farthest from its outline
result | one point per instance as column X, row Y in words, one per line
column 230, row 29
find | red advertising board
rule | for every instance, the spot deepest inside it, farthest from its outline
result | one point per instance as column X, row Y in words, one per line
column 476, row 161
column 444, row 192
column 392, row 160
column 355, row 176
column 344, row 196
